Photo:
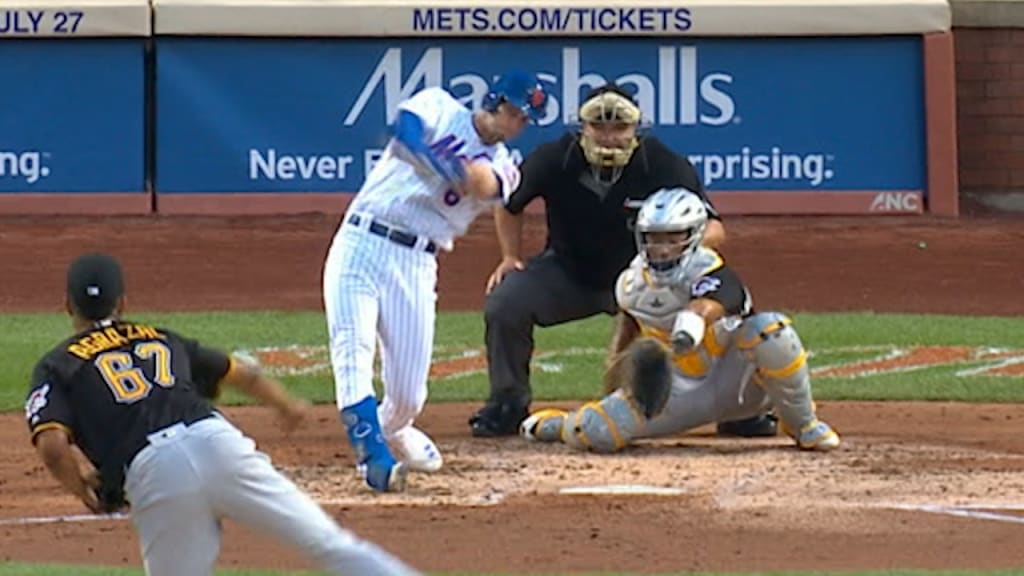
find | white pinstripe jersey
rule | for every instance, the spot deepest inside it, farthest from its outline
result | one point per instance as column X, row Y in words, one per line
column 419, row 201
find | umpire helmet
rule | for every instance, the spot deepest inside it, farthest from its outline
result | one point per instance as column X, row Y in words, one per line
column 520, row 89
column 675, row 211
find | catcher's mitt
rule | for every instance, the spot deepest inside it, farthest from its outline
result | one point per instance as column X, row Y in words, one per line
column 644, row 371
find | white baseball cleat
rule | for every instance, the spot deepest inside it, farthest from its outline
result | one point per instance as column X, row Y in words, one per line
column 818, row 436
column 416, row 450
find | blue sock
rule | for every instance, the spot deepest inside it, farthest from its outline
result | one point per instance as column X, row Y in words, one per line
column 363, row 429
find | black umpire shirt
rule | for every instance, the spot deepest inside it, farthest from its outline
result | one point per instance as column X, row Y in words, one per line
column 587, row 226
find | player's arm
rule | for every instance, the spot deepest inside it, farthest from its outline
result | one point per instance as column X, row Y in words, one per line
column 626, row 331
column 484, row 181
column 718, row 293
column 417, row 120
column 53, row 445
column 714, row 235
column 49, row 420
column 509, row 219
column 246, row 375
column 509, row 229
column 213, row 369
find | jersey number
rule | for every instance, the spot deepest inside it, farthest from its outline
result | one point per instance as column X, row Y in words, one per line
column 126, row 380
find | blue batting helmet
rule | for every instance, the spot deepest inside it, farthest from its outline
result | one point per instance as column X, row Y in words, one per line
column 520, row 89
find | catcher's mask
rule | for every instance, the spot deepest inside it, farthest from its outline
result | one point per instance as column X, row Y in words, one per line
column 610, row 119
column 668, row 230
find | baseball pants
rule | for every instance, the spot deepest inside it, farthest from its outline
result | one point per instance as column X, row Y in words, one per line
column 190, row 477
column 542, row 294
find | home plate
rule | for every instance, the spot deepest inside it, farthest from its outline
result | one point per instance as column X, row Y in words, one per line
column 627, row 489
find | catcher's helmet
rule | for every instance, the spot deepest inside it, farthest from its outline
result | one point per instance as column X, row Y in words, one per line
column 520, row 89
column 675, row 211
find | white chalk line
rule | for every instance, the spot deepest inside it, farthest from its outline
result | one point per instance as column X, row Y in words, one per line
column 973, row 511
column 69, row 518
column 976, row 510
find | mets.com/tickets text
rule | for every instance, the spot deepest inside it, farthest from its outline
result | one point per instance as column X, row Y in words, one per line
column 528, row 19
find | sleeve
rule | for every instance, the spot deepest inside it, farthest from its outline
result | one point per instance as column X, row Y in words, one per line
column 209, row 366
column 507, row 172
column 534, row 171
column 724, row 286
column 47, row 405
column 430, row 106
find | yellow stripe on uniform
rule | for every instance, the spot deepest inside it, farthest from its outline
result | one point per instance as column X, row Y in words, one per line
column 51, row 426
column 786, row 370
column 577, row 430
column 612, row 428
column 691, row 364
column 775, row 327
column 718, row 263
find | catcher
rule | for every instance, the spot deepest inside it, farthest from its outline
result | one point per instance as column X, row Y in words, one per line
column 688, row 347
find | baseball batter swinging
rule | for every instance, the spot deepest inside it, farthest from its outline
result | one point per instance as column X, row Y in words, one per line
column 690, row 348
column 444, row 166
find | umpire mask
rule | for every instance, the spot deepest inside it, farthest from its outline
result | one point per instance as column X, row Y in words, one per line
column 610, row 121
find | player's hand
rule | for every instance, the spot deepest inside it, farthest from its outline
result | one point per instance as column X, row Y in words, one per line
column 682, row 343
column 507, row 265
column 90, row 484
column 292, row 414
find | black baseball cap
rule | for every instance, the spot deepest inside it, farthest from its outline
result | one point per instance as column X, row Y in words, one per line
column 95, row 283
column 610, row 87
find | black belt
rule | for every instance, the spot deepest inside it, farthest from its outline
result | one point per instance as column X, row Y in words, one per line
column 115, row 464
column 395, row 235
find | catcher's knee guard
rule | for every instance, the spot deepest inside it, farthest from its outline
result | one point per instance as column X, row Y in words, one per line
column 769, row 341
column 604, row 426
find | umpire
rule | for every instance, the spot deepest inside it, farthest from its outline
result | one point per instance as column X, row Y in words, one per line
column 588, row 181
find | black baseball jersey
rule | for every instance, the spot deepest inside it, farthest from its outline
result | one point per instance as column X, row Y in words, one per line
column 589, row 230
column 112, row 385
column 724, row 286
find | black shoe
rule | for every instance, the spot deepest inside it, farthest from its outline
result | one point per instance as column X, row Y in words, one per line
column 762, row 426
column 495, row 420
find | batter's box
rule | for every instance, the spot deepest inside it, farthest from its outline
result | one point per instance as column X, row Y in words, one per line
column 733, row 475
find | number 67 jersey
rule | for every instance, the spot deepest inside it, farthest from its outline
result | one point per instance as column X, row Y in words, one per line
column 112, row 385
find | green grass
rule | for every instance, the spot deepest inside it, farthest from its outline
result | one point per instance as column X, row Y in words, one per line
column 570, row 368
column 9, row 569
column 576, row 351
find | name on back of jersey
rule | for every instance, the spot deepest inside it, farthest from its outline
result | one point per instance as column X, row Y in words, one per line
column 110, row 338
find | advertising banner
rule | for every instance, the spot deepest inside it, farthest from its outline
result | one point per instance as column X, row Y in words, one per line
column 72, row 116
column 755, row 115
column 551, row 18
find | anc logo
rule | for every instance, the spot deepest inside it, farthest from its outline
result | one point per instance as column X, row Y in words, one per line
column 844, row 362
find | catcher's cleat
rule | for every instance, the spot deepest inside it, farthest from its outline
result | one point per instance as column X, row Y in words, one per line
column 761, row 426
column 544, row 425
column 816, row 436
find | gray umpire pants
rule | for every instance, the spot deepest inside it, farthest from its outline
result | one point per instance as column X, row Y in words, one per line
column 542, row 294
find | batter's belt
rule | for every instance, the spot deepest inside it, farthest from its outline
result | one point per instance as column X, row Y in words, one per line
column 397, row 236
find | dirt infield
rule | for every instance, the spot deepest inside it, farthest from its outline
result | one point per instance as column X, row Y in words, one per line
column 917, row 485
